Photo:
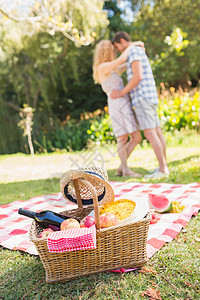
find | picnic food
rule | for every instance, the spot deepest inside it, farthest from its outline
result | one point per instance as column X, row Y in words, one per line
column 69, row 223
column 177, row 207
column 88, row 221
column 154, row 218
column 45, row 217
column 45, row 233
column 121, row 208
column 108, row 220
column 160, row 203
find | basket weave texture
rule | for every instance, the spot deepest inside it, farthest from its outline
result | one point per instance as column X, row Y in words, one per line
column 123, row 246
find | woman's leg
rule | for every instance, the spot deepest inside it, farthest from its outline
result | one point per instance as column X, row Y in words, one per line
column 135, row 139
column 122, row 153
column 124, row 149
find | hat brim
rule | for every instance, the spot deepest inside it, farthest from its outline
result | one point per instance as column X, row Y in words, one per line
column 104, row 191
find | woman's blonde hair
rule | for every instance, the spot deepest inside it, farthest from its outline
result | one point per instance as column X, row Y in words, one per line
column 104, row 52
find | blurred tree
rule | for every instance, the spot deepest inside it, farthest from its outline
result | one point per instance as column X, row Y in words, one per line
column 170, row 30
column 76, row 20
column 116, row 23
column 33, row 47
column 48, row 66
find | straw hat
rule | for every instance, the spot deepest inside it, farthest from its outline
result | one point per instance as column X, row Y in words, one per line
column 77, row 180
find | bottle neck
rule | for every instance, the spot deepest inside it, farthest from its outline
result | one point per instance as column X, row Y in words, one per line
column 27, row 213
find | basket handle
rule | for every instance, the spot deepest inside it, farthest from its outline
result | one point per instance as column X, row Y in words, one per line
column 95, row 200
column 77, row 191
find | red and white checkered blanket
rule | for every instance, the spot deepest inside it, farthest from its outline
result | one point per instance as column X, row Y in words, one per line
column 14, row 227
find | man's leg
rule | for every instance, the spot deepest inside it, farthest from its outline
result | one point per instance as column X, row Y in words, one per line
column 146, row 114
column 159, row 148
column 162, row 139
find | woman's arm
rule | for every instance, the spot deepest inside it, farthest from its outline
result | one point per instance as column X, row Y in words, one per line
column 121, row 68
column 138, row 43
column 106, row 67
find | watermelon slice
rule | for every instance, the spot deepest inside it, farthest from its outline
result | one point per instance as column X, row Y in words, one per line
column 160, row 203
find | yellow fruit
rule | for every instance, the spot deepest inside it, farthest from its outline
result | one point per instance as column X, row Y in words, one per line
column 177, row 207
column 121, row 208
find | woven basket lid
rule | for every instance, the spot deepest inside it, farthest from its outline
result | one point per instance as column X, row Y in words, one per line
column 96, row 176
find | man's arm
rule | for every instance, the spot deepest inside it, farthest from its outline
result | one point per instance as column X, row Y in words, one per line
column 137, row 77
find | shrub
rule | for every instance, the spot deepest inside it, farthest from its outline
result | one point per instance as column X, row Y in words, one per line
column 100, row 130
column 71, row 136
column 179, row 110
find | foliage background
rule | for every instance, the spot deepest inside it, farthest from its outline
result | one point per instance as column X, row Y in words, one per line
column 53, row 75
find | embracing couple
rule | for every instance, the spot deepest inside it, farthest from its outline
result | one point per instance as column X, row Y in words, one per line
column 130, row 117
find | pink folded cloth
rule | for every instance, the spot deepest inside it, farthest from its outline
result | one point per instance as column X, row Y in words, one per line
column 72, row 239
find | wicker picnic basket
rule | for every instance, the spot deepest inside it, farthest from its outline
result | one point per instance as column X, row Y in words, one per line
column 122, row 246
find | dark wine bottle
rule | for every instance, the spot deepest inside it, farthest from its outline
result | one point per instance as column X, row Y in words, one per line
column 44, row 218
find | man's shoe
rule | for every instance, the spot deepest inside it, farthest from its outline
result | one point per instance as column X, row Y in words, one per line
column 156, row 175
column 154, row 170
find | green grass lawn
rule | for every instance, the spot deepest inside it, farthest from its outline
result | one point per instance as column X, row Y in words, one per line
column 173, row 271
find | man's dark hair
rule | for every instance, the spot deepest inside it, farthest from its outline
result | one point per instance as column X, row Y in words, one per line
column 120, row 35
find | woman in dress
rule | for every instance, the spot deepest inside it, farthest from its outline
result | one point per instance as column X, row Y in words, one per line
column 106, row 70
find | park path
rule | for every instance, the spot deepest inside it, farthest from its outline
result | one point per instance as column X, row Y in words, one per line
column 21, row 167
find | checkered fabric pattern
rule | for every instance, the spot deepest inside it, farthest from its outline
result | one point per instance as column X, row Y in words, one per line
column 146, row 89
column 72, row 240
column 14, row 227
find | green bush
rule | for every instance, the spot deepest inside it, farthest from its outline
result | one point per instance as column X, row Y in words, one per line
column 71, row 136
column 180, row 111
column 100, row 130
column 176, row 111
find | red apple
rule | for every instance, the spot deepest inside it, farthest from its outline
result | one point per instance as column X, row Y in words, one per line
column 88, row 221
column 45, row 233
column 69, row 223
column 108, row 220
column 154, row 221
column 154, row 218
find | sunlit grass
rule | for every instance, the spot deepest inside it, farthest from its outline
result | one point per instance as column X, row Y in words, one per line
column 175, row 268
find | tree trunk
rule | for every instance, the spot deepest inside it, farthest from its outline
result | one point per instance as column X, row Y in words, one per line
column 28, row 130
